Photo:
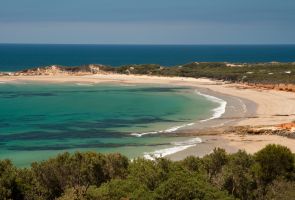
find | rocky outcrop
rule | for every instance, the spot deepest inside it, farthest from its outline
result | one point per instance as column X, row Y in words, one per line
column 288, row 126
column 60, row 70
column 6, row 73
column 281, row 86
column 286, row 130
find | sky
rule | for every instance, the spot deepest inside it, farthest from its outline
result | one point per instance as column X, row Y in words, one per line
column 148, row 21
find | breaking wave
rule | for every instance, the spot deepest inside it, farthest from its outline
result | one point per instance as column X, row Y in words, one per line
column 178, row 146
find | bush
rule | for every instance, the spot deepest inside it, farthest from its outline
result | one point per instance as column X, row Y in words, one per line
column 118, row 189
column 150, row 173
column 192, row 163
column 214, row 162
column 8, row 181
column 79, row 169
column 185, row 186
column 236, row 176
column 273, row 161
column 281, row 190
column 269, row 174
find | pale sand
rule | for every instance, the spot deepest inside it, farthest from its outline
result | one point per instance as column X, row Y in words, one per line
column 272, row 107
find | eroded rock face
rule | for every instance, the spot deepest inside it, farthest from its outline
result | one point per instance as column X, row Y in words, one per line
column 286, row 130
column 94, row 69
column 60, row 70
column 288, row 126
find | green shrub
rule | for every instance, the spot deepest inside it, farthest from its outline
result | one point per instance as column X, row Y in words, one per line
column 273, row 161
column 269, row 174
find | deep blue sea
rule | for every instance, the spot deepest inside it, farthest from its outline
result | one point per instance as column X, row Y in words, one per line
column 20, row 56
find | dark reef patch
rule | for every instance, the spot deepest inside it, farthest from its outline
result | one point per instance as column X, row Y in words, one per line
column 79, row 129
column 105, row 123
column 81, row 146
column 16, row 94
column 25, row 94
column 61, row 135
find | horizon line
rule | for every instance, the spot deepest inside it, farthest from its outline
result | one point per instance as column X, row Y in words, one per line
column 145, row 44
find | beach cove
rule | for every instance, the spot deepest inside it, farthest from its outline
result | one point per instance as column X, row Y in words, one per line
column 243, row 107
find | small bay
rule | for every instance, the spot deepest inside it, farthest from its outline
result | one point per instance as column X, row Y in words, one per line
column 38, row 121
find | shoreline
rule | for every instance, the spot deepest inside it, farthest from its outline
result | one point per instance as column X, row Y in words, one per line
column 216, row 113
column 247, row 106
column 232, row 143
column 234, row 112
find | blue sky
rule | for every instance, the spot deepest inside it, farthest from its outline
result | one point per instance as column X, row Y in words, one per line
column 148, row 21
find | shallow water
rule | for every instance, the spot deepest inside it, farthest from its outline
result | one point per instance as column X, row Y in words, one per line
column 38, row 121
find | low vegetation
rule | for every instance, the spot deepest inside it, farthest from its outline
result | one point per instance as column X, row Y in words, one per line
column 273, row 73
column 260, row 73
column 268, row 174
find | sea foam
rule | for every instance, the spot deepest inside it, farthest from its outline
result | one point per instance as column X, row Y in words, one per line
column 217, row 112
column 169, row 130
column 84, row 84
column 178, row 146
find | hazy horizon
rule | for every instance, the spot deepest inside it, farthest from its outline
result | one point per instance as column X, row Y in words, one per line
column 139, row 44
column 151, row 22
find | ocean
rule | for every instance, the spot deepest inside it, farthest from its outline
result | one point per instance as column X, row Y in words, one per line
column 15, row 57
column 38, row 121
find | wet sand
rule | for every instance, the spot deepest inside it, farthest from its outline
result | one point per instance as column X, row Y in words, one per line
column 232, row 143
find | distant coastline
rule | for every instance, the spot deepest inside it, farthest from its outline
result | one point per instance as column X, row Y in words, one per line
column 15, row 57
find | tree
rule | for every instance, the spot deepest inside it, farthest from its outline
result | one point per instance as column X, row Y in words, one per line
column 192, row 163
column 269, row 174
column 80, row 169
column 29, row 186
column 281, row 190
column 8, row 181
column 150, row 173
column 214, row 162
column 273, row 161
column 116, row 166
column 236, row 176
column 118, row 189
column 185, row 186
column 78, row 193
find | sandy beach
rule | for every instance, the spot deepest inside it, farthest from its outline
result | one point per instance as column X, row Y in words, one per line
column 233, row 143
column 245, row 106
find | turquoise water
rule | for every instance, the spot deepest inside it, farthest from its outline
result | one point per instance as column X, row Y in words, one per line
column 20, row 56
column 38, row 121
